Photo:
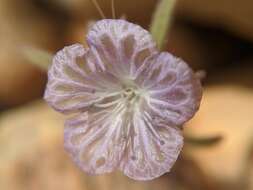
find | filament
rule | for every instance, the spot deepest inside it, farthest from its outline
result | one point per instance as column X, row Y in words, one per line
column 98, row 8
column 113, row 10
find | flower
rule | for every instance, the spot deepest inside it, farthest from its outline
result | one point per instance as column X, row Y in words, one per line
column 127, row 101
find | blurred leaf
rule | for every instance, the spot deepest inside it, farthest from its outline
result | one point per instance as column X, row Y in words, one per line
column 203, row 141
column 38, row 57
column 161, row 21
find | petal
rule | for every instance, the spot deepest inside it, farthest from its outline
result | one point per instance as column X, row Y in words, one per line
column 74, row 81
column 174, row 90
column 96, row 139
column 120, row 45
column 152, row 150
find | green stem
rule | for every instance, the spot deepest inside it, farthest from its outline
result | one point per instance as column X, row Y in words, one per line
column 161, row 21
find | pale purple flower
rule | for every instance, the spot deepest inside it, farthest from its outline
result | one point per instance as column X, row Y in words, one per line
column 127, row 100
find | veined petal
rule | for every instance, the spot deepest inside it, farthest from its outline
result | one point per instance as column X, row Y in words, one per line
column 120, row 45
column 174, row 90
column 76, row 80
column 152, row 150
column 127, row 99
column 96, row 139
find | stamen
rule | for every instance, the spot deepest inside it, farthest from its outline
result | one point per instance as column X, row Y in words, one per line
column 98, row 8
column 107, row 95
column 108, row 104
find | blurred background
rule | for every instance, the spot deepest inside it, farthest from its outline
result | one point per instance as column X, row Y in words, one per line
column 211, row 35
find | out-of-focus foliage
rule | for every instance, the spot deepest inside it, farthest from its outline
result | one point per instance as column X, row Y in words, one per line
column 38, row 57
column 234, row 16
column 225, row 111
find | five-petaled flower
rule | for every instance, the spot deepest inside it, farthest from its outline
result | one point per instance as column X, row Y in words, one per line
column 127, row 100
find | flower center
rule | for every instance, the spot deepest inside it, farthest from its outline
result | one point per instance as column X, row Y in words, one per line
column 131, row 97
column 129, row 94
column 128, row 97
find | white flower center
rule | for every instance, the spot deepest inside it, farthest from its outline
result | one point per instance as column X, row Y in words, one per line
column 127, row 98
column 131, row 95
